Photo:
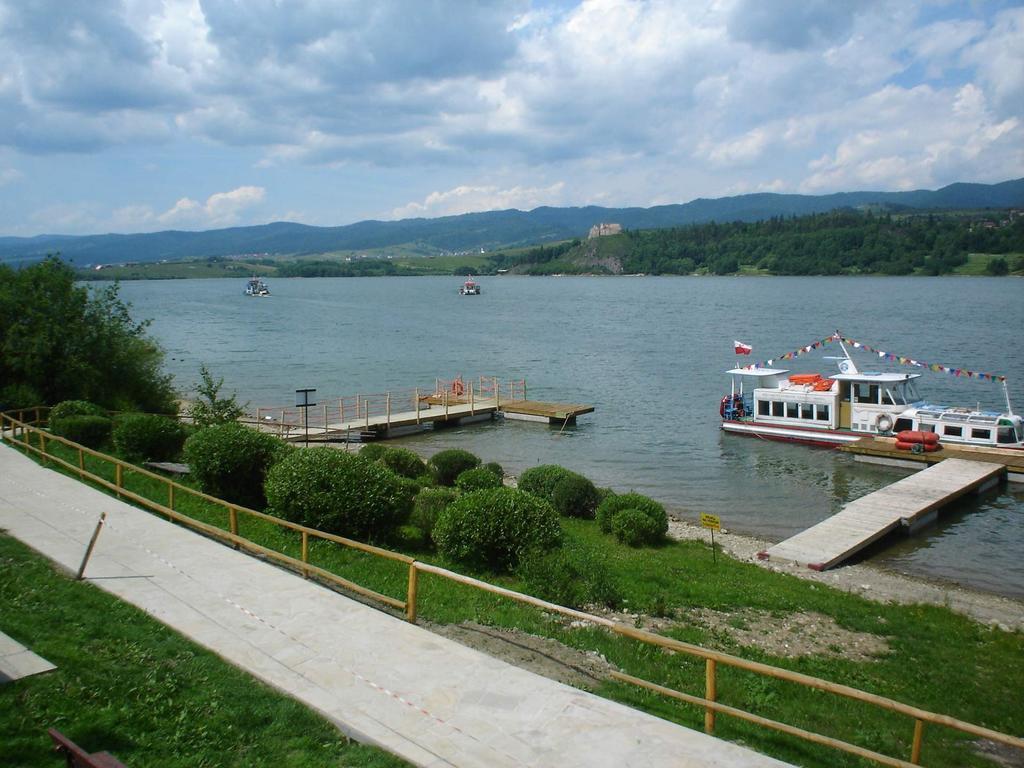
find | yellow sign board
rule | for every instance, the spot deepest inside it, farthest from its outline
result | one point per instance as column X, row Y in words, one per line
column 710, row 521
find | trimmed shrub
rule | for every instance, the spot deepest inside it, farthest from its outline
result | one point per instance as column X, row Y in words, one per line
column 230, row 461
column 148, row 437
column 541, row 481
column 90, row 431
column 575, row 496
column 615, row 503
column 573, row 576
column 336, row 492
column 408, row 490
column 495, row 527
column 447, row 465
column 476, row 480
column 403, row 462
column 66, row 408
column 495, row 467
column 372, row 451
column 427, row 506
column 635, row 528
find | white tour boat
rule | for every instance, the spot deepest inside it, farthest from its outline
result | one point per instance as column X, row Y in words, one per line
column 470, row 288
column 256, row 287
column 809, row 408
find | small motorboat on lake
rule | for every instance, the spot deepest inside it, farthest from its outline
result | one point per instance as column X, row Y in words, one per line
column 470, row 288
column 771, row 403
column 256, row 287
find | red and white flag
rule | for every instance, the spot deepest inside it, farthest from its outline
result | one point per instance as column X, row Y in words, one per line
column 741, row 348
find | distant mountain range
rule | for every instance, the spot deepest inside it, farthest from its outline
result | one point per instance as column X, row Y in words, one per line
column 490, row 230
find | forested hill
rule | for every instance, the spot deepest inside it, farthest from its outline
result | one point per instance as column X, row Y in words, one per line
column 820, row 244
column 489, row 230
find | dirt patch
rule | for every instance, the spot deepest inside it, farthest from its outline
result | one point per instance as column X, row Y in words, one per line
column 541, row 655
column 792, row 635
column 1000, row 754
column 870, row 582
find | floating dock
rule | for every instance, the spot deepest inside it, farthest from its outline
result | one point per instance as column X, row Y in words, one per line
column 909, row 503
column 883, row 450
column 392, row 414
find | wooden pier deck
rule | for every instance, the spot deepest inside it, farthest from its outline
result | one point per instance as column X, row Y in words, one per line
column 882, row 450
column 909, row 502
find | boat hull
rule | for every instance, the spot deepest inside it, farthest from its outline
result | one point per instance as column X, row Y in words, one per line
column 824, row 438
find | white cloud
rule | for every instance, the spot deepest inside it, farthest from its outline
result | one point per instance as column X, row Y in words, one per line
column 920, row 137
column 221, row 209
column 465, row 199
column 9, row 175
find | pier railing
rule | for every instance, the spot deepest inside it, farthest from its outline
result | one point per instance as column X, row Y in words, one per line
column 31, row 436
column 363, row 411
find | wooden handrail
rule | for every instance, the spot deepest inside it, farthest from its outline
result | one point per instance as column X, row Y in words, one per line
column 711, row 657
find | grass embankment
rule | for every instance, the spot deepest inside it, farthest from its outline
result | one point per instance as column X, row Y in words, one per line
column 128, row 685
column 936, row 659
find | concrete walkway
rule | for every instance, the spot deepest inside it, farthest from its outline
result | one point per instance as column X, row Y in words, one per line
column 381, row 680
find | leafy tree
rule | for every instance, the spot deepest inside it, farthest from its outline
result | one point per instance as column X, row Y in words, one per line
column 65, row 341
column 211, row 408
column 997, row 267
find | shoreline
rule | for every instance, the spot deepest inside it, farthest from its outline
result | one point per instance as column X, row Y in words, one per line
column 868, row 581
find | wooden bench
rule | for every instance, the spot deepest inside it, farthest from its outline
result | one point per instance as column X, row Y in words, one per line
column 78, row 758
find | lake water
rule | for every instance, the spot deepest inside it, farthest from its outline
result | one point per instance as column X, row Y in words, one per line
column 649, row 354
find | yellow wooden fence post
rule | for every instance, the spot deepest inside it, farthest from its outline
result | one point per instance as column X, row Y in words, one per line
column 118, row 477
column 233, row 522
column 710, row 693
column 170, row 496
column 915, row 750
column 81, row 463
column 410, row 600
column 305, row 552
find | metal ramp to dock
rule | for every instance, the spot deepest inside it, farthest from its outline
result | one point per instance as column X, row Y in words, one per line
column 910, row 502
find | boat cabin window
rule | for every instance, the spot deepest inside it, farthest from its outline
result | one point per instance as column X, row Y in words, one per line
column 981, row 434
column 821, row 412
column 892, row 397
column 902, row 424
column 865, row 393
column 791, row 411
column 1005, row 435
column 764, row 407
column 926, row 427
column 807, row 411
column 778, row 408
column 953, row 431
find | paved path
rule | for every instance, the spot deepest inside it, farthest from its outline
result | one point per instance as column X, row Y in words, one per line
column 381, row 680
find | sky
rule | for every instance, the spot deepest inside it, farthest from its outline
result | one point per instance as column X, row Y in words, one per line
column 146, row 115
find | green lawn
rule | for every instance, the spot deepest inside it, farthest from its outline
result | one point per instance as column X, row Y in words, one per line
column 937, row 659
column 127, row 684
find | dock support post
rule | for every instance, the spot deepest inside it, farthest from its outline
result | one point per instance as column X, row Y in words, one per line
column 389, row 410
column 446, row 404
column 710, row 693
column 472, row 400
column 357, row 408
column 497, row 393
column 259, row 416
column 524, row 389
column 325, row 420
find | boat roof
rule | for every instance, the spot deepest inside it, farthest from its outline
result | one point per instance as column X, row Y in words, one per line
column 874, row 376
column 758, row 371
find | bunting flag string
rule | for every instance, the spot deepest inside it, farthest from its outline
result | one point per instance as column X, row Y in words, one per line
column 881, row 354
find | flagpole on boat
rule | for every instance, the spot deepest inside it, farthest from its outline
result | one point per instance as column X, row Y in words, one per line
column 1006, row 394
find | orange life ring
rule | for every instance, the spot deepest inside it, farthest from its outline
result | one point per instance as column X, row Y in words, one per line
column 457, row 387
